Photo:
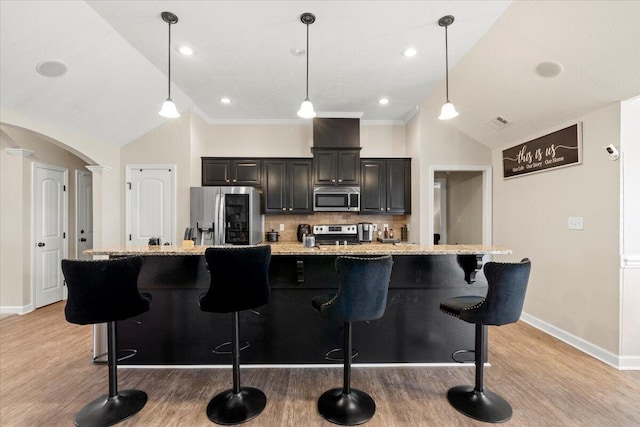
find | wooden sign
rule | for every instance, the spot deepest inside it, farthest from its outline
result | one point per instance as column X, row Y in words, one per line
column 558, row 149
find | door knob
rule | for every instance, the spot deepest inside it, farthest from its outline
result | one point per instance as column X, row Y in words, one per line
column 40, row 244
column 83, row 239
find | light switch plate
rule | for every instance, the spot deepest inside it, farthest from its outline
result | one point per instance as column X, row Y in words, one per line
column 281, row 227
column 576, row 223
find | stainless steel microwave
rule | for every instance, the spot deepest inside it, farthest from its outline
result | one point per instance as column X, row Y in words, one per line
column 336, row 199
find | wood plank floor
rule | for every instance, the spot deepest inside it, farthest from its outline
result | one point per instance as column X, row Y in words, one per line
column 46, row 376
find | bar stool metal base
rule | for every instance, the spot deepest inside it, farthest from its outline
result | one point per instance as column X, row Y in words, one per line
column 107, row 411
column 228, row 408
column 349, row 409
column 483, row 406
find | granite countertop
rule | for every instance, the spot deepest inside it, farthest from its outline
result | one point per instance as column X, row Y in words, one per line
column 296, row 248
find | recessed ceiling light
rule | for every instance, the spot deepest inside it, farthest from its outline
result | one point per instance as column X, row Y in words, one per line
column 51, row 68
column 225, row 100
column 296, row 51
column 185, row 50
column 409, row 52
column 383, row 101
column 549, row 69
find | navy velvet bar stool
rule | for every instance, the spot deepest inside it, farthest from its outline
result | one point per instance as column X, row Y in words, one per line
column 507, row 285
column 239, row 281
column 361, row 296
column 98, row 292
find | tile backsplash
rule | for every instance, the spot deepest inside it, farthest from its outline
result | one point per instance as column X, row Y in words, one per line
column 272, row 222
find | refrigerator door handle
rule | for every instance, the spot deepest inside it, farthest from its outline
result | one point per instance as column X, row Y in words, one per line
column 214, row 231
column 221, row 218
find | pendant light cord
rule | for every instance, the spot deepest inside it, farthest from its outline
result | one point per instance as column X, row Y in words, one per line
column 446, row 60
column 169, row 54
column 307, row 61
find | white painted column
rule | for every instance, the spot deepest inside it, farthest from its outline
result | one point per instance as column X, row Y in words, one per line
column 15, row 229
column 630, row 234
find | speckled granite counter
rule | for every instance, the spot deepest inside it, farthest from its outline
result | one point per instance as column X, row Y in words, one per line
column 296, row 248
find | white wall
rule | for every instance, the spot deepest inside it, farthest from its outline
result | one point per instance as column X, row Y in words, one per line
column 15, row 194
column 168, row 144
column 185, row 140
column 574, row 279
column 106, row 196
column 436, row 143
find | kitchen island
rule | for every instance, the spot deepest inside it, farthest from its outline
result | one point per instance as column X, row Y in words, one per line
column 288, row 330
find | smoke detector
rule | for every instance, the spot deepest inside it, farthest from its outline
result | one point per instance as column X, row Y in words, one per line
column 499, row 123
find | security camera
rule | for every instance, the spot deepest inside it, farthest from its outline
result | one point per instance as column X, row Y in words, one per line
column 612, row 151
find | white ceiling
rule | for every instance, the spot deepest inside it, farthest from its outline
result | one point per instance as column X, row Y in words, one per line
column 116, row 53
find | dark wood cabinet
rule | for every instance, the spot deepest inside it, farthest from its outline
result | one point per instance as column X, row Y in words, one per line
column 287, row 186
column 225, row 171
column 336, row 166
column 386, row 186
column 373, row 194
column 288, row 330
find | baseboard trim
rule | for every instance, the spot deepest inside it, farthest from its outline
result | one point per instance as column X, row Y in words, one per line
column 16, row 309
column 629, row 363
column 618, row 362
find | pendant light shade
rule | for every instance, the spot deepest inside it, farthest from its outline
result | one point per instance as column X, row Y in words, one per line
column 168, row 107
column 306, row 110
column 448, row 110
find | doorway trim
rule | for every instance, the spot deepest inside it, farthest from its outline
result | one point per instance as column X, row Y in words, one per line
column 487, row 196
column 442, row 183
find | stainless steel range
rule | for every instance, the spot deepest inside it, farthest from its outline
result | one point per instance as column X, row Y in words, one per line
column 329, row 234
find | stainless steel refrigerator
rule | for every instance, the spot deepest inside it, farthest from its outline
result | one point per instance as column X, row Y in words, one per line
column 226, row 216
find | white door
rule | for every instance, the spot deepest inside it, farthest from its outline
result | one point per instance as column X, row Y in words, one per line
column 49, row 229
column 84, row 214
column 150, row 204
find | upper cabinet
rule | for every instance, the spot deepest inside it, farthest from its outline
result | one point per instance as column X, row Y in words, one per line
column 225, row 171
column 385, row 186
column 336, row 151
column 336, row 166
column 287, row 186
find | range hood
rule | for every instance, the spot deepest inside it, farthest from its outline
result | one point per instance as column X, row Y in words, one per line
column 336, row 133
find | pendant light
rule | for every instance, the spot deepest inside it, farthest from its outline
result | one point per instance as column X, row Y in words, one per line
column 168, row 107
column 448, row 110
column 306, row 108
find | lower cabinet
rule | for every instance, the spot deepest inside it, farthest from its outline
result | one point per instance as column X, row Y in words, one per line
column 287, row 329
column 385, row 186
column 287, row 186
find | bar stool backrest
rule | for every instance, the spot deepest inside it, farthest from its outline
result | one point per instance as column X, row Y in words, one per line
column 505, row 295
column 103, row 291
column 239, row 278
column 364, row 285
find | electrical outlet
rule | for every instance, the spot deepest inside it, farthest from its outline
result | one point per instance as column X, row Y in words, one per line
column 385, row 226
column 281, row 227
column 576, row 223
